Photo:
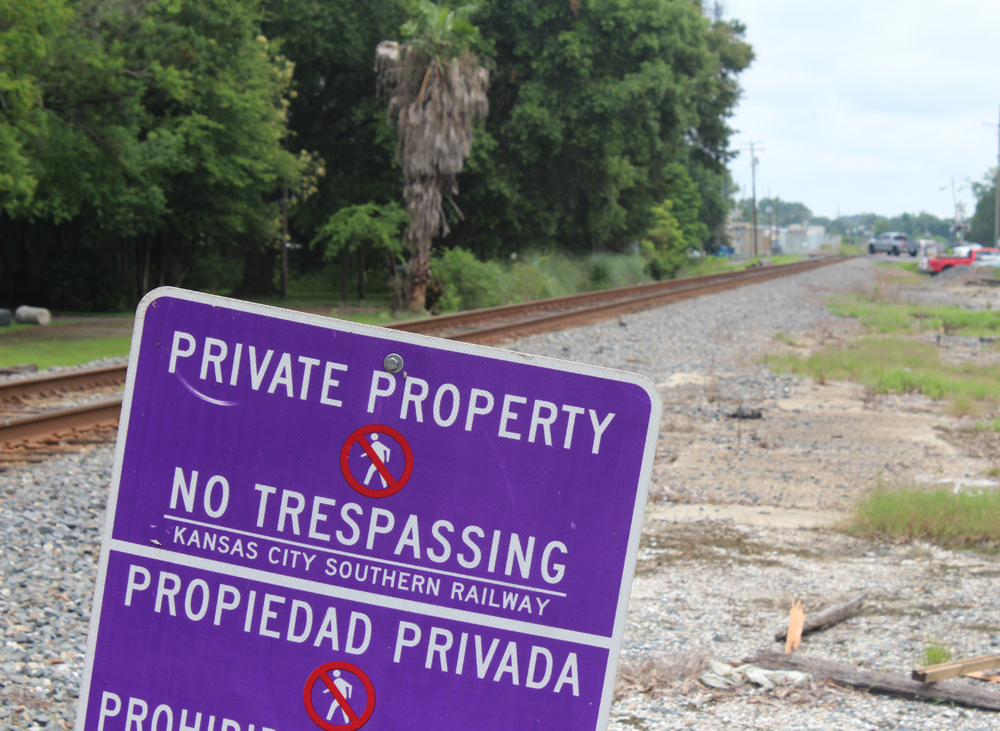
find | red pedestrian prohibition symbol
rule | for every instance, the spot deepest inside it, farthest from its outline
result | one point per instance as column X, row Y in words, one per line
column 340, row 690
column 379, row 454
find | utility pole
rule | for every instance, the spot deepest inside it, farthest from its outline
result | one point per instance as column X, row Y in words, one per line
column 753, row 199
column 284, row 240
column 753, row 189
column 996, row 195
column 996, row 190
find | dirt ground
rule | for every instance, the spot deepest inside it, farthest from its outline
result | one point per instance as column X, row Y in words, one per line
column 819, row 448
column 822, row 445
column 742, row 521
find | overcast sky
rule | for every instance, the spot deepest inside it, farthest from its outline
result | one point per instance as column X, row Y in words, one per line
column 869, row 105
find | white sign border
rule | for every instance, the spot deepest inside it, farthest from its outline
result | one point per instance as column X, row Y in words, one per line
column 382, row 333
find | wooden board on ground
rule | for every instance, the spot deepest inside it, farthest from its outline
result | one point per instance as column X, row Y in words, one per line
column 940, row 671
column 828, row 617
column 879, row 681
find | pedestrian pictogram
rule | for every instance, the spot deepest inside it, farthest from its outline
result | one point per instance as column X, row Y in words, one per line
column 342, row 688
column 372, row 441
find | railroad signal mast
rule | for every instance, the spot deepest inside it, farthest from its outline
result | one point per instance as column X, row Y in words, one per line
column 753, row 190
column 960, row 226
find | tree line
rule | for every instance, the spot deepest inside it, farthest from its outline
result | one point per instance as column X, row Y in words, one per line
column 778, row 212
column 183, row 142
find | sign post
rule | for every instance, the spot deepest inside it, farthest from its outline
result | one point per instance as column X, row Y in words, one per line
column 298, row 538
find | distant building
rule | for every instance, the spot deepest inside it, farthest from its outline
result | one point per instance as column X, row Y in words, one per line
column 741, row 238
column 794, row 239
column 801, row 239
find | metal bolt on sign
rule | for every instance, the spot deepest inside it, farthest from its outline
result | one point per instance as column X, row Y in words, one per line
column 393, row 363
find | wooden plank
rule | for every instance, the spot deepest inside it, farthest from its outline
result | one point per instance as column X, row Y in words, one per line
column 828, row 617
column 942, row 670
column 878, row 681
column 984, row 676
column 796, row 620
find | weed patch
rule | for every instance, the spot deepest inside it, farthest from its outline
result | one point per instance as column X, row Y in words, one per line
column 897, row 365
column 936, row 652
column 655, row 676
column 907, row 266
column 936, row 516
column 461, row 281
column 893, row 318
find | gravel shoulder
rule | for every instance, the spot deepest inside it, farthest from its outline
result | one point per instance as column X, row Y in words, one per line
column 741, row 512
column 737, row 527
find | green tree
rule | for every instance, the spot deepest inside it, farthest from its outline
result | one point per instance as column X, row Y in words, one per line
column 783, row 213
column 666, row 245
column 982, row 223
column 358, row 230
column 686, row 206
column 29, row 31
column 332, row 108
column 590, row 103
column 217, row 121
column 153, row 138
column 435, row 86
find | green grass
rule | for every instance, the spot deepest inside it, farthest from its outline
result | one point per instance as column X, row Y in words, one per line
column 780, row 259
column 896, row 365
column 776, row 260
column 936, row 516
column 63, row 353
column 909, row 266
column 886, row 317
column 708, row 265
column 785, row 338
column 382, row 317
column 936, row 652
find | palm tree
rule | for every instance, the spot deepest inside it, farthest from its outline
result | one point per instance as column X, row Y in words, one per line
column 435, row 85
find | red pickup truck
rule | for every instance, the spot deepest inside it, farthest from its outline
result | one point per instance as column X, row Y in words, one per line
column 976, row 257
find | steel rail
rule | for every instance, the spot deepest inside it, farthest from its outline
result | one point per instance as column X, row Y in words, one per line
column 571, row 310
column 55, row 422
column 107, row 376
column 439, row 323
column 683, row 289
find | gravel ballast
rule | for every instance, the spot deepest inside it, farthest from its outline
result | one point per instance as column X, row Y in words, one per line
column 703, row 590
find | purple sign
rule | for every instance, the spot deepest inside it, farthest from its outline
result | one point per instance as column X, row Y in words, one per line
column 304, row 532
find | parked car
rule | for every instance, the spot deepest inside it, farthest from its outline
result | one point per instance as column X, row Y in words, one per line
column 926, row 250
column 986, row 258
column 892, row 242
column 981, row 256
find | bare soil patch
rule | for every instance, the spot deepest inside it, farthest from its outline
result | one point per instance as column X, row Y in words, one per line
column 818, row 448
column 740, row 524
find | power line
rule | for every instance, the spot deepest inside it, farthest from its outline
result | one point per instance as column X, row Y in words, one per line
column 996, row 190
column 753, row 183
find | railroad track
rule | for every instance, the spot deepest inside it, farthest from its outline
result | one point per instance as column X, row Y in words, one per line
column 19, row 436
column 493, row 324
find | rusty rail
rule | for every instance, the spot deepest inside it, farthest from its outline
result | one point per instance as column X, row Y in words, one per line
column 86, row 378
column 508, row 321
column 63, row 420
column 556, row 313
